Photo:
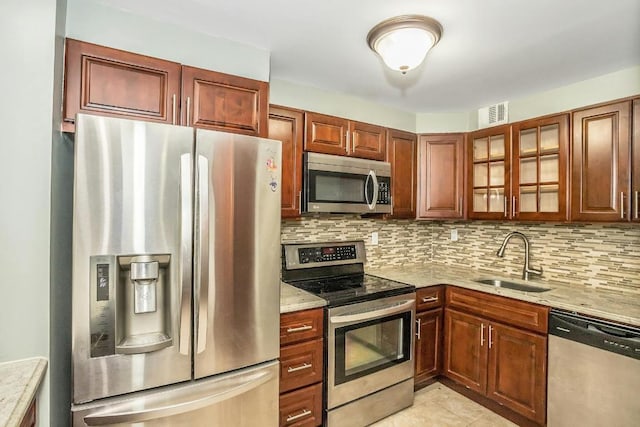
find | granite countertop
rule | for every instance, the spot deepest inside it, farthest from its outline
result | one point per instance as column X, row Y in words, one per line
column 19, row 382
column 294, row 299
column 615, row 306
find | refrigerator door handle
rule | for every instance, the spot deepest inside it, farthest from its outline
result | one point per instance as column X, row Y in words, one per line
column 186, row 232
column 128, row 414
column 201, row 259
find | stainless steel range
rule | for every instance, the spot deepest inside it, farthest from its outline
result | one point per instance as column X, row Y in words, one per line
column 369, row 324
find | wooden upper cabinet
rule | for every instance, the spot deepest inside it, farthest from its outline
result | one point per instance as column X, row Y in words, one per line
column 367, row 141
column 326, row 134
column 489, row 173
column 601, row 180
column 635, row 163
column 441, row 176
column 539, row 179
column 335, row 135
column 217, row 101
column 401, row 153
column 287, row 125
column 110, row 82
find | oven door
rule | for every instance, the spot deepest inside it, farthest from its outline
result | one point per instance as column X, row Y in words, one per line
column 370, row 347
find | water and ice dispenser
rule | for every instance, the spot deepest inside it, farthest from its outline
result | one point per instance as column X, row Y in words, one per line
column 130, row 304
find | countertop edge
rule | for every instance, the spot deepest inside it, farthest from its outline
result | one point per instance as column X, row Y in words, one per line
column 28, row 390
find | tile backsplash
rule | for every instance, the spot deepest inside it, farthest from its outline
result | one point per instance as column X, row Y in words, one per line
column 599, row 255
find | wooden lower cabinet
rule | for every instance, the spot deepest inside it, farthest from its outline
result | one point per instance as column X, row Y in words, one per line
column 428, row 345
column 504, row 363
column 29, row 419
column 302, row 407
column 301, row 368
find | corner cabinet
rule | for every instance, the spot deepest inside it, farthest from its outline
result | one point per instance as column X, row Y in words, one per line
column 497, row 347
column 110, row 82
column 441, row 176
column 401, row 154
column 489, row 166
column 218, row 101
column 335, row 135
column 287, row 125
column 601, row 180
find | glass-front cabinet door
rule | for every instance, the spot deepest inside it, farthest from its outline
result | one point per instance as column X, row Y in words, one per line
column 539, row 169
column 489, row 174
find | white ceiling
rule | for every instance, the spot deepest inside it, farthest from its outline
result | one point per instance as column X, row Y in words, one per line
column 490, row 51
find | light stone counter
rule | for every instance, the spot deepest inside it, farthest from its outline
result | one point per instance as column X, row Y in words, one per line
column 294, row 299
column 19, row 382
column 616, row 306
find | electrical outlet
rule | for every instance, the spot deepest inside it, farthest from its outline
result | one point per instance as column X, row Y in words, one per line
column 454, row 235
column 374, row 238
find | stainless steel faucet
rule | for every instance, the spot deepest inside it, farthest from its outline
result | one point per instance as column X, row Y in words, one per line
column 527, row 269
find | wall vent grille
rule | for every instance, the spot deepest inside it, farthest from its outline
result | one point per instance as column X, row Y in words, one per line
column 493, row 115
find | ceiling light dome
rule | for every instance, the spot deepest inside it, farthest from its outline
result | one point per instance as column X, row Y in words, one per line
column 404, row 41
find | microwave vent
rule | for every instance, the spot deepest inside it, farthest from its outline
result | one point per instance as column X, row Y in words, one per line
column 493, row 115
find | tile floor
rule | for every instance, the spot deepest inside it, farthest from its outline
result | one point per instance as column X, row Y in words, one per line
column 439, row 406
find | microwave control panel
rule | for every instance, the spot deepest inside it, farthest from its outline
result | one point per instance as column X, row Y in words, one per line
column 384, row 192
column 326, row 253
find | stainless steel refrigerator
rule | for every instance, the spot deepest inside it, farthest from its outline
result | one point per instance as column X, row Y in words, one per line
column 176, row 290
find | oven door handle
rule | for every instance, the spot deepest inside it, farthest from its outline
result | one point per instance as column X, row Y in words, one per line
column 373, row 314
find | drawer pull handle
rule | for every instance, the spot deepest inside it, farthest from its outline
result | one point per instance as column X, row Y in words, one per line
column 300, row 329
column 300, row 415
column 429, row 299
column 299, row 368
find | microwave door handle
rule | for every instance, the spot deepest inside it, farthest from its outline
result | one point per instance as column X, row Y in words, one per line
column 375, row 189
column 366, row 190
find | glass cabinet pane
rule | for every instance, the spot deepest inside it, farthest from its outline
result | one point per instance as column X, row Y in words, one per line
column 549, row 198
column 480, row 200
column 496, row 200
column 528, row 199
column 480, row 175
column 496, row 173
column 528, row 141
column 529, row 170
column 549, row 166
column 480, row 149
column 497, row 147
column 549, row 138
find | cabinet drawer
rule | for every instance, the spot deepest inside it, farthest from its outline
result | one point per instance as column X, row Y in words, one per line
column 300, row 365
column 302, row 407
column 300, row 326
column 430, row 297
column 507, row 310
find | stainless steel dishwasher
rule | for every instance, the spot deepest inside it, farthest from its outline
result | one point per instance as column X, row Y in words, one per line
column 594, row 372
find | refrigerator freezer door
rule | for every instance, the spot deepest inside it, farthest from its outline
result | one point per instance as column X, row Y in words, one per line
column 245, row 398
column 132, row 234
column 237, row 251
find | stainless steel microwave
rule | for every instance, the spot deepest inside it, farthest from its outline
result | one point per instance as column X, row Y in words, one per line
column 346, row 185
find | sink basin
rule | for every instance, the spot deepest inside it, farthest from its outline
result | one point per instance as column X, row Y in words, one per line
column 512, row 285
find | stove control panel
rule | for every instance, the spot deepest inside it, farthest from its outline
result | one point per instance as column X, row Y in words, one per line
column 326, row 253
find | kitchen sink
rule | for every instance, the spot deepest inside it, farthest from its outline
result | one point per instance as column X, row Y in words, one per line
column 512, row 285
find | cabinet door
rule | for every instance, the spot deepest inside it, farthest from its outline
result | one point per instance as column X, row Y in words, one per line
column 635, row 162
column 539, row 169
column 517, row 370
column 367, row 141
column 428, row 344
column 302, row 408
column 441, row 176
column 217, row 101
column 401, row 153
column 465, row 350
column 110, row 82
column 489, row 159
column 601, row 159
column 287, row 125
column 326, row 134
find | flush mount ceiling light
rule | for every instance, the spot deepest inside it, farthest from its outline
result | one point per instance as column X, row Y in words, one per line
column 403, row 42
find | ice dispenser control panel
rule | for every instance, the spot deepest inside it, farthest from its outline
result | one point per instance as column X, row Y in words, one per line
column 102, row 322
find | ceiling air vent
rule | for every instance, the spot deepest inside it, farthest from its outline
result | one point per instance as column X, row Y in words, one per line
column 492, row 115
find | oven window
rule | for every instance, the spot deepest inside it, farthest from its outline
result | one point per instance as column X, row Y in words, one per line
column 337, row 187
column 372, row 346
